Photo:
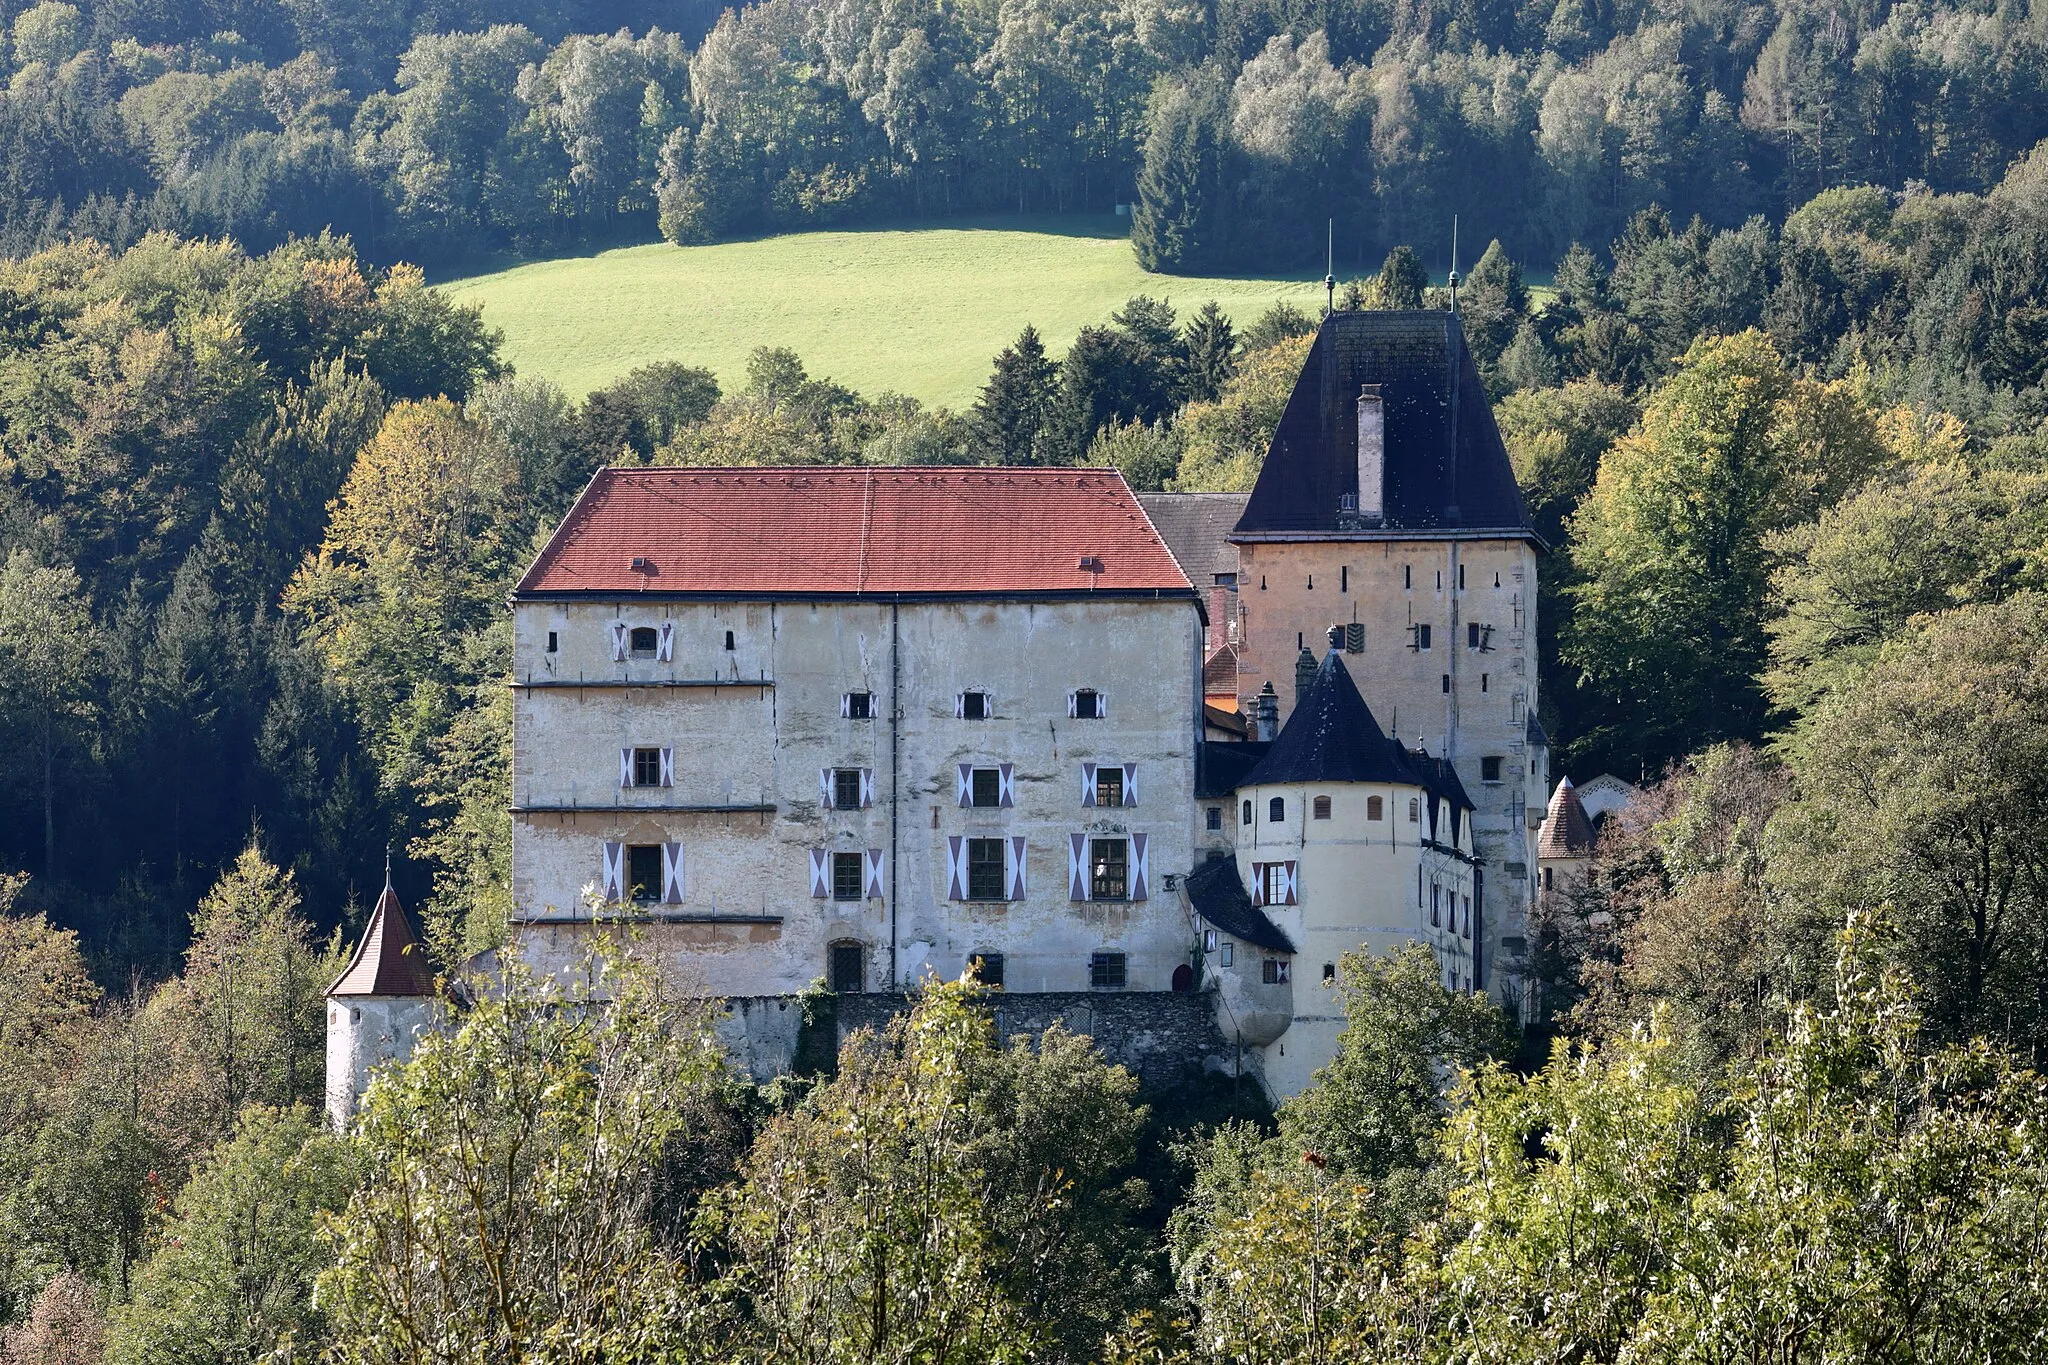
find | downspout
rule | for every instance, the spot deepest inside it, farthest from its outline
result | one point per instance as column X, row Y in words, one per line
column 895, row 845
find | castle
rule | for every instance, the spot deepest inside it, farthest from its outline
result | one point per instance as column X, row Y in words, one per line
column 866, row 725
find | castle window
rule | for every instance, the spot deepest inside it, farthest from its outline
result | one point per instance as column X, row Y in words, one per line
column 1461, row 578
column 728, row 642
column 846, row 789
column 1546, row 877
column 643, row 641
column 1435, row 906
column 643, row 873
column 1109, row 870
column 987, row 968
column 1214, row 817
column 1467, row 930
column 1322, row 808
column 1275, row 877
column 858, row 705
column 846, row 968
column 1088, row 704
column 1482, row 682
column 1109, row 784
column 1407, row 576
column 647, row 768
column 974, row 706
column 1273, row 971
column 1247, row 813
column 552, row 643
column 1228, row 952
column 1414, row 811
column 1329, row 971
column 985, row 870
column 987, row 788
column 1106, row 971
column 846, row 870
column 1447, row 684
column 1418, row 636
column 1344, row 578
column 1276, row 810
column 1489, row 768
column 1375, row 808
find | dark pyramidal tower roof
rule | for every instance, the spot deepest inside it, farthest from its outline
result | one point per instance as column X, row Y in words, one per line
column 1332, row 737
column 1446, row 468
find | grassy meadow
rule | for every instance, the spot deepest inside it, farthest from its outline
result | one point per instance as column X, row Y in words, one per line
column 919, row 311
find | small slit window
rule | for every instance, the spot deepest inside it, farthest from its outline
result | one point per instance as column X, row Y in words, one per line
column 1322, row 808
column 728, row 642
column 554, row 644
column 1247, row 813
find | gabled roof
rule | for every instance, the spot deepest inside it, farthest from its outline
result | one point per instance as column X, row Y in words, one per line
column 1446, row 468
column 1218, row 895
column 1331, row 736
column 816, row 532
column 388, row 960
column 1196, row 527
column 1219, row 673
column 1566, row 832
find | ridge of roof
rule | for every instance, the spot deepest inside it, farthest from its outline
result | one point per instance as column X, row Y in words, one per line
column 1332, row 736
column 388, row 959
column 1566, row 832
column 855, row 530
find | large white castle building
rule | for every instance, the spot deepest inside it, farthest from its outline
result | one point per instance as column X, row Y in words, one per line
column 867, row 725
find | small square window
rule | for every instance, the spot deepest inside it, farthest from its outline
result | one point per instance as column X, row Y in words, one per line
column 643, row 873
column 846, row 878
column 846, row 789
column 1213, row 817
column 647, row 767
column 1108, row 870
column 1274, row 971
column 1087, row 704
column 987, row 968
column 860, row 705
column 1322, row 808
column 1106, row 971
column 974, row 705
column 553, row 644
column 985, row 870
column 642, row 642
column 1489, row 768
column 1109, row 785
column 988, row 787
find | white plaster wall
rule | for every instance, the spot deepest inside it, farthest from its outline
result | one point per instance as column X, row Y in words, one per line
column 755, row 929
column 365, row 1033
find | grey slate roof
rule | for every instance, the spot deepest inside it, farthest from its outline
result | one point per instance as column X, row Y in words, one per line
column 1331, row 736
column 1194, row 525
column 1446, row 468
column 1221, row 766
column 1218, row 895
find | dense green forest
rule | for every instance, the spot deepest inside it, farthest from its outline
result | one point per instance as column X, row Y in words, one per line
column 1236, row 127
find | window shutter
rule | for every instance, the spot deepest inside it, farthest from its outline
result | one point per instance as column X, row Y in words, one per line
column 1077, row 867
column 1073, row 705
column 1258, row 883
column 625, row 767
column 965, row 786
column 1293, row 883
column 613, row 871
column 668, row 767
column 956, row 868
column 959, row 706
column 845, row 705
column 1016, row 867
column 672, row 874
column 665, row 642
column 825, row 789
column 874, row 870
column 821, row 876
column 1006, row 784
column 1130, row 784
column 618, row 642
column 1087, row 784
column 867, row 788
column 1102, row 706
column 1138, row 879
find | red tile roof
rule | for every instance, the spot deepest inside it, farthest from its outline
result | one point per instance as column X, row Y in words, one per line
column 916, row 530
column 389, row 960
column 1566, row 832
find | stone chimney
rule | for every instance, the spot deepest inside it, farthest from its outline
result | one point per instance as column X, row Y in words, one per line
column 1372, row 456
column 1304, row 673
column 1266, row 722
column 1219, row 619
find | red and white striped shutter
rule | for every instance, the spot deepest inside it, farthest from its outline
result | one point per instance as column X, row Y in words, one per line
column 1293, row 883
column 1006, row 784
column 612, row 871
column 1016, row 868
column 668, row 767
column 1139, row 881
column 1087, row 784
column 956, row 868
column 824, row 789
column 1073, row 705
column 1258, row 883
column 625, row 767
column 672, row 874
column 965, row 785
column 665, row 642
column 618, row 642
column 821, row 876
column 959, row 706
column 867, row 788
column 1130, row 784
column 874, row 871
column 1077, row 867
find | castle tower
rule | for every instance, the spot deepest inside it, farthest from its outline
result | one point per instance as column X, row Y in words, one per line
column 1387, row 507
column 1565, row 843
column 376, row 1007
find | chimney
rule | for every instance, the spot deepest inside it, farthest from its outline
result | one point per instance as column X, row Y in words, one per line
column 1372, row 455
column 1219, row 619
column 1336, row 639
column 1266, row 726
column 1304, row 674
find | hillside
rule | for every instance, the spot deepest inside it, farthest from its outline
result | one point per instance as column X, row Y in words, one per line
column 916, row 311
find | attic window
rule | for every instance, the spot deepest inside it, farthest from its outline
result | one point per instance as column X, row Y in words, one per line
column 643, row 641
column 1322, row 808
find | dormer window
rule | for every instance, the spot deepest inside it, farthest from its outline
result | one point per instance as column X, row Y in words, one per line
column 643, row 641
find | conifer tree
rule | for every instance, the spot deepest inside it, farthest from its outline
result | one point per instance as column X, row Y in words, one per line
column 1211, row 345
column 1173, row 225
column 1015, row 406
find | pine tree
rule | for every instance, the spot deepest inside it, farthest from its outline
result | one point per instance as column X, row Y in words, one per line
column 1401, row 280
column 1211, row 345
column 1015, row 406
column 1173, row 226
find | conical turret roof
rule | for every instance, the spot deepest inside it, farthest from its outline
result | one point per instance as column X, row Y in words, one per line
column 1332, row 737
column 1566, row 832
column 388, row 960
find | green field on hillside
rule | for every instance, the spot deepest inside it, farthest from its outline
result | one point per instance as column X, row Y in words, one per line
column 918, row 311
